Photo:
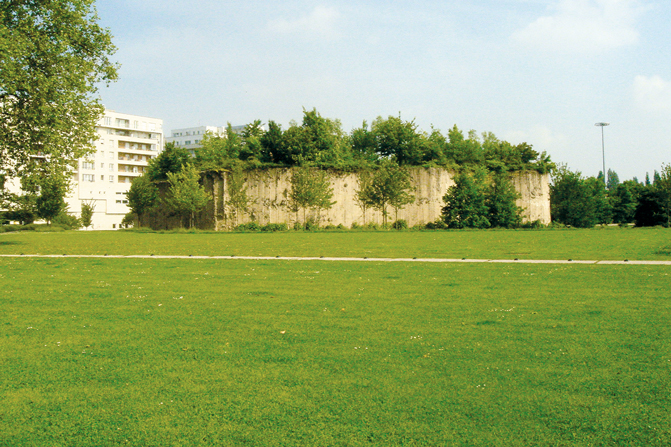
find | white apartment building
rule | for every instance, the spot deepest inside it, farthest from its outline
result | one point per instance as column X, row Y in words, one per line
column 124, row 147
column 191, row 137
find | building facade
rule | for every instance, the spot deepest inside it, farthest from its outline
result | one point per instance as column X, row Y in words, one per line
column 190, row 137
column 124, row 147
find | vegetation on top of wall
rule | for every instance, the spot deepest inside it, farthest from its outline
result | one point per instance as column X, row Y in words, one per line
column 321, row 142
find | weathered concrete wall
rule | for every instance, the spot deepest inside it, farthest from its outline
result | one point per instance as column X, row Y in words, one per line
column 269, row 189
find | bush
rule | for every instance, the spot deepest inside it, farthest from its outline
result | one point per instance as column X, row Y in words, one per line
column 372, row 226
column 341, row 227
column 535, row 225
column 311, row 226
column 400, row 225
column 251, row 226
column 330, row 227
column 49, row 229
column 297, row 226
column 66, row 221
column 129, row 220
column 437, row 225
column 273, row 227
column 355, row 226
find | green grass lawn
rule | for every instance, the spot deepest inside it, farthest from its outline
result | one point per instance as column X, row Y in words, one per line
column 611, row 243
column 156, row 352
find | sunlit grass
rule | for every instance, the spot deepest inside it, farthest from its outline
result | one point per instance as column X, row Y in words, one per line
column 97, row 352
column 597, row 244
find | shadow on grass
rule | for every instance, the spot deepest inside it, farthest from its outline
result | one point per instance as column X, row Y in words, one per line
column 12, row 243
column 666, row 251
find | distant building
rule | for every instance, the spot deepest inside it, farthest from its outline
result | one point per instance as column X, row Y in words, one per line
column 124, row 147
column 191, row 137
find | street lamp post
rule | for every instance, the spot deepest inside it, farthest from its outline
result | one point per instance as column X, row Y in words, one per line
column 603, row 151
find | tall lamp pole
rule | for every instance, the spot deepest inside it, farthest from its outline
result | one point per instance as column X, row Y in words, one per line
column 603, row 151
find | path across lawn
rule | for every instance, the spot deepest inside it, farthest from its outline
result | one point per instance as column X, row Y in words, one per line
column 326, row 258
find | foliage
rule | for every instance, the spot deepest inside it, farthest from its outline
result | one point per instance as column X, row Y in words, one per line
column 171, row 160
column 129, row 220
column 400, row 225
column 624, row 199
column 500, row 199
column 578, row 201
column 51, row 201
column 390, row 185
column 398, row 139
column 186, row 196
column 654, row 204
column 238, row 200
column 613, row 180
column 53, row 57
column 87, row 213
column 142, row 197
column 67, row 221
column 310, row 188
column 251, row 226
column 465, row 205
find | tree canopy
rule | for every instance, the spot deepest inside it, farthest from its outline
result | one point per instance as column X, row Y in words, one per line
column 53, row 57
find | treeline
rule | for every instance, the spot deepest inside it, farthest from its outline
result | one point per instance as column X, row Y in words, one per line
column 584, row 202
column 321, row 142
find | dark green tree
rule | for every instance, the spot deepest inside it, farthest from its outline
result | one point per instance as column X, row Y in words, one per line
column 465, row 205
column 613, row 180
column 51, row 201
column 171, row 160
column 272, row 142
column 53, row 57
column 501, row 198
column 142, row 197
column 577, row 201
column 624, row 200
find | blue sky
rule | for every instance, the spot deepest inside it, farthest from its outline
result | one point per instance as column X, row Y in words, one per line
column 540, row 71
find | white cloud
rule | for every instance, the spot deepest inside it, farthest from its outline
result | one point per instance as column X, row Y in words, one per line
column 652, row 93
column 583, row 26
column 320, row 22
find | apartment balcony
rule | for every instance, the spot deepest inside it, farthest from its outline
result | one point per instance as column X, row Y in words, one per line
column 136, row 146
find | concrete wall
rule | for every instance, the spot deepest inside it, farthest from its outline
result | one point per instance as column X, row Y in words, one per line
column 269, row 190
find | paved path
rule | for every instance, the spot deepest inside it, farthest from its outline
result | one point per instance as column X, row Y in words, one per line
column 325, row 258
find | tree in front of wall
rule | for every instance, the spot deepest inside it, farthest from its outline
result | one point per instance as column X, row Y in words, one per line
column 501, row 200
column 142, row 197
column 186, row 196
column 465, row 205
column 364, row 181
column 51, row 201
column 310, row 188
column 390, row 185
column 87, row 213
column 238, row 200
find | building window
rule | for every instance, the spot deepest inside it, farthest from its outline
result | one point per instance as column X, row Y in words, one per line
column 187, row 142
column 111, row 155
column 88, row 165
column 102, row 177
column 111, row 167
column 111, row 179
column 88, row 178
column 107, row 121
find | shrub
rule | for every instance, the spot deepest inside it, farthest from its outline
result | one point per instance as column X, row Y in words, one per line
column 437, row 225
column 129, row 220
column 311, row 226
column 400, row 225
column 330, row 227
column 273, row 227
column 341, row 227
column 355, row 226
column 535, row 225
column 66, row 221
column 251, row 226
column 297, row 226
column 372, row 226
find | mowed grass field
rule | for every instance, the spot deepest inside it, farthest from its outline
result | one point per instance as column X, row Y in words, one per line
column 155, row 352
column 611, row 243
